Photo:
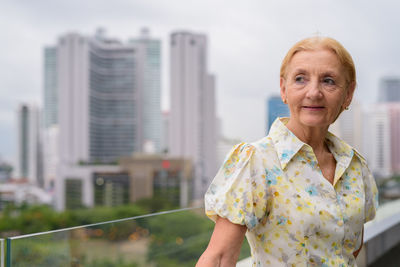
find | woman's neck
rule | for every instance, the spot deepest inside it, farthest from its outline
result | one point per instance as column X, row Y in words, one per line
column 313, row 136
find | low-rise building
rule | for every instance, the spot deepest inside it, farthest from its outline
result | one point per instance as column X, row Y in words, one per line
column 136, row 177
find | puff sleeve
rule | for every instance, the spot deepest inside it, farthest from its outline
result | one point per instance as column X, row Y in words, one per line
column 238, row 191
column 371, row 194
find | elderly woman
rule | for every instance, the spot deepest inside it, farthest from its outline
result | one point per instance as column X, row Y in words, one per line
column 301, row 195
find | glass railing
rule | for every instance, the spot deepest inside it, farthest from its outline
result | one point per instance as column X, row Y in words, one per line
column 172, row 238
column 2, row 252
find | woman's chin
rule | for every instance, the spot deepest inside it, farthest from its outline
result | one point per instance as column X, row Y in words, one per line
column 315, row 122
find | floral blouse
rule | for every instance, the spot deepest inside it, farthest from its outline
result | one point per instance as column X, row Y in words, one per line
column 294, row 216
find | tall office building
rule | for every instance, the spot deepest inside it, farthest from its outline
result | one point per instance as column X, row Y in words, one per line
column 192, row 128
column 275, row 108
column 50, row 117
column 151, row 89
column 389, row 89
column 29, row 152
column 98, row 99
column 108, row 105
column 50, row 94
column 108, row 96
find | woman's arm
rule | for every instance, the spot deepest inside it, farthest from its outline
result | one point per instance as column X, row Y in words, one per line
column 355, row 253
column 225, row 243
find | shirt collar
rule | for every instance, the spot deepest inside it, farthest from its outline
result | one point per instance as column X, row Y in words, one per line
column 342, row 152
column 287, row 145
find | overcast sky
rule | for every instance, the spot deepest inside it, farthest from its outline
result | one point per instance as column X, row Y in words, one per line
column 247, row 41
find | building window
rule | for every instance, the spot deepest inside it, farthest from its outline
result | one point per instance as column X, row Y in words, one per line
column 73, row 193
column 111, row 189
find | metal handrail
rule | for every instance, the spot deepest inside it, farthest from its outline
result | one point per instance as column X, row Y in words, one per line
column 102, row 223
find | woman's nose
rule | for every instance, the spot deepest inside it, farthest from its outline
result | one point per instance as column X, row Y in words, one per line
column 314, row 89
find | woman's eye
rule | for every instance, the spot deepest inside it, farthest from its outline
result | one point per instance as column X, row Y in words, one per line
column 329, row 81
column 299, row 79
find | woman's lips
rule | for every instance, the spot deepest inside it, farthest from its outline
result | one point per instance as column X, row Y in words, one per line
column 313, row 107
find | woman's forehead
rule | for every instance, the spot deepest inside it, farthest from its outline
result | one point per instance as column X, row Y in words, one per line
column 321, row 60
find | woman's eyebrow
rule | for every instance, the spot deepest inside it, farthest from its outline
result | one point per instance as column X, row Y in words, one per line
column 330, row 73
column 300, row 70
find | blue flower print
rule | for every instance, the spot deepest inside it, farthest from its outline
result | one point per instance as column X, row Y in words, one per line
column 271, row 175
column 312, row 190
column 286, row 154
column 282, row 220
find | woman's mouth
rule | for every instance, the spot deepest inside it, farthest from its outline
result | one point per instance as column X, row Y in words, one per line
column 313, row 107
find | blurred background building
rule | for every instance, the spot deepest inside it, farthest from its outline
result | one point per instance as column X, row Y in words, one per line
column 349, row 126
column 101, row 102
column 389, row 89
column 192, row 118
column 275, row 108
column 29, row 164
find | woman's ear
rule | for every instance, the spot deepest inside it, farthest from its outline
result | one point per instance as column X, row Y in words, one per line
column 283, row 90
column 349, row 93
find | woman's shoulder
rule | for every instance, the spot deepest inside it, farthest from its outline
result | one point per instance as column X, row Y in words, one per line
column 263, row 145
column 256, row 153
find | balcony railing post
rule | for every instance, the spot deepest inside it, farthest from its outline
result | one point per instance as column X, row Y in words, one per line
column 8, row 252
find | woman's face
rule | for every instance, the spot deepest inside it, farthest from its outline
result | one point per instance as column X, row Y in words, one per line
column 315, row 88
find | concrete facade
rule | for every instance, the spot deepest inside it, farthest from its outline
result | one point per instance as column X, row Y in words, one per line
column 192, row 127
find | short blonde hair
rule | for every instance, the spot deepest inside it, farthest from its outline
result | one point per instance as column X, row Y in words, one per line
column 317, row 42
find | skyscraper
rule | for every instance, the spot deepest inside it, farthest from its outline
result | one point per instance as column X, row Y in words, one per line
column 50, row 93
column 275, row 108
column 107, row 100
column 389, row 89
column 151, row 89
column 108, row 106
column 376, row 139
column 192, row 117
column 50, row 116
column 29, row 152
column 98, row 92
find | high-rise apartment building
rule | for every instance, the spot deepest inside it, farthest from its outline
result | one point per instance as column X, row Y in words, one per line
column 349, row 126
column 376, row 139
column 29, row 151
column 192, row 127
column 389, row 90
column 50, row 100
column 275, row 108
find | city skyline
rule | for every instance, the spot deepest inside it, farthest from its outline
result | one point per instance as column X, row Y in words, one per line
column 245, row 49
